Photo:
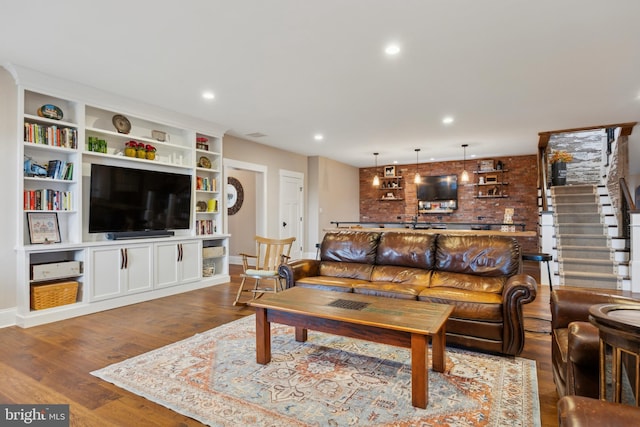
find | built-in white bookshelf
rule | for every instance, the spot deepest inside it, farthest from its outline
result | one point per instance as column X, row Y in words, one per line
column 55, row 155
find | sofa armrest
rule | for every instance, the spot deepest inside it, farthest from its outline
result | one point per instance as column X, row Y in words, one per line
column 584, row 344
column 298, row 269
column 583, row 360
column 571, row 305
column 520, row 289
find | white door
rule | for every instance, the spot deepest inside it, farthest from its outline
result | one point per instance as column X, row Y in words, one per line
column 291, row 210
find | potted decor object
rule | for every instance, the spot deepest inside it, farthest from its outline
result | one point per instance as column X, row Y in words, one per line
column 151, row 152
column 141, row 152
column 130, row 148
column 559, row 160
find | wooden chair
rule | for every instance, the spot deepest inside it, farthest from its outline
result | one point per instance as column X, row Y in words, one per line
column 270, row 253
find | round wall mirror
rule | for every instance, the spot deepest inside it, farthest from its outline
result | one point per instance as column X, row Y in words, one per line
column 235, row 195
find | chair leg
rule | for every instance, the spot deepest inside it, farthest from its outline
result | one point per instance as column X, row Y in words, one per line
column 240, row 291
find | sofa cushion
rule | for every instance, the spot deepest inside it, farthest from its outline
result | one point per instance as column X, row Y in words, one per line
column 351, row 270
column 407, row 249
column 395, row 274
column 487, row 256
column 327, row 283
column 470, row 282
column 349, row 246
column 467, row 304
column 389, row 289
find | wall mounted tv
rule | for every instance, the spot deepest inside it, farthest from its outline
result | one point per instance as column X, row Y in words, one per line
column 137, row 202
column 438, row 188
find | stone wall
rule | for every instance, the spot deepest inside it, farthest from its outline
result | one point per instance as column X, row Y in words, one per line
column 522, row 192
column 586, row 148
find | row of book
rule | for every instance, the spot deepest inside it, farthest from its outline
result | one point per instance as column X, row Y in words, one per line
column 51, row 135
column 204, row 183
column 48, row 200
column 59, row 169
column 206, row 226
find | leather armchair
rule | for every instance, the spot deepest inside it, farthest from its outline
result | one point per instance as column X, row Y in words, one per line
column 575, row 342
column 579, row 411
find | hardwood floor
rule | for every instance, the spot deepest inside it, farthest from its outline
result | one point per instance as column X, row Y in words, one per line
column 51, row 363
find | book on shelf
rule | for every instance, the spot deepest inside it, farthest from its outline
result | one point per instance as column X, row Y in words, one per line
column 205, row 183
column 60, row 169
column 206, row 226
column 51, row 135
column 47, row 200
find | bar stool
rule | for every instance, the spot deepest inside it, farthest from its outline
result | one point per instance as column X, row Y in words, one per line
column 540, row 257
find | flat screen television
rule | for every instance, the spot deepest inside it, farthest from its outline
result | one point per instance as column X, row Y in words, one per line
column 136, row 200
column 438, row 188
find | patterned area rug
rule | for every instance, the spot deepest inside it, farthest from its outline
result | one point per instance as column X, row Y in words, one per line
column 328, row 381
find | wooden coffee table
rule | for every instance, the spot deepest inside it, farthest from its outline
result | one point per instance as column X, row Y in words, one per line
column 404, row 323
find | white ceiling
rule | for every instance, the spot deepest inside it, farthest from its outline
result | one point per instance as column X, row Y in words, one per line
column 505, row 69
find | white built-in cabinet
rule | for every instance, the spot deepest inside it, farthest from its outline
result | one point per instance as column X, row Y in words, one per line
column 122, row 270
column 113, row 273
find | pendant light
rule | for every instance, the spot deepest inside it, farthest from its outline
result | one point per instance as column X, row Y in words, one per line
column 416, row 179
column 376, row 180
column 464, row 177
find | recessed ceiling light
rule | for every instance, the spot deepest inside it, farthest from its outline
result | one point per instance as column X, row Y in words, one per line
column 208, row 95
column 392, row 49
column 447, row 120
column 318, row 137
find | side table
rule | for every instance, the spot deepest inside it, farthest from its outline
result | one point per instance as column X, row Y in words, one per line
column 619, row 329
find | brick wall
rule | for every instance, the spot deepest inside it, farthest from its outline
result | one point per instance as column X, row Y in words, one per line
column 522, row 191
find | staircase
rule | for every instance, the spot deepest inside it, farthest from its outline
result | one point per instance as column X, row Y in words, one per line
column 589, row 254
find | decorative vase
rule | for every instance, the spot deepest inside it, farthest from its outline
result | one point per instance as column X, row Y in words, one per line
column 151, row 155
column 130, row 152
column 141, row 154
column 558, row 173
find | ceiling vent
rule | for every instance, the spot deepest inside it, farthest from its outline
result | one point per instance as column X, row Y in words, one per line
column 256, row 135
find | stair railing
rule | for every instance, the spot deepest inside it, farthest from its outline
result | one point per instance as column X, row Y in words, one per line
column 626, row 208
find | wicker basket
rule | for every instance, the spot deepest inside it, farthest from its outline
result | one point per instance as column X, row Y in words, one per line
column 53, row 294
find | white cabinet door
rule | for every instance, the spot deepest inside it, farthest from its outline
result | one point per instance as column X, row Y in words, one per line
column 106, row 266
column 177, row 263
column 138, row 269
column 167, row 264
column 120, row 270
column 190, row 263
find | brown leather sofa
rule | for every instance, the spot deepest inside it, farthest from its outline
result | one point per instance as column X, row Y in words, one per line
column 478, row 274
column 580, row 411
column 575, row 342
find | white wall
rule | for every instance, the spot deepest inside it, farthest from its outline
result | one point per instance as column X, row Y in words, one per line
column 8, row 220
column 334, row 195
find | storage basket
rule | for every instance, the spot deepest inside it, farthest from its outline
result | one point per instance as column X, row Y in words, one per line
column 53, row 294
column 208, row 267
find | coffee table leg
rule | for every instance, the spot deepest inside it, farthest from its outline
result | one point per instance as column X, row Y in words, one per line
column 438, row 344
column 263, row 337
column 419, row 375
column 301, row 334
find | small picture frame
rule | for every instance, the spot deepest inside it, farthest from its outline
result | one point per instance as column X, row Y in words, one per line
column 43, row 227
column 486, row 165
column 389, row 171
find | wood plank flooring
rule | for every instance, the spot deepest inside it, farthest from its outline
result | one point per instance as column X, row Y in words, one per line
column 51, row 363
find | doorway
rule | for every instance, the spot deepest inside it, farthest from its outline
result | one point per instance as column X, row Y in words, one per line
column 251, row 217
